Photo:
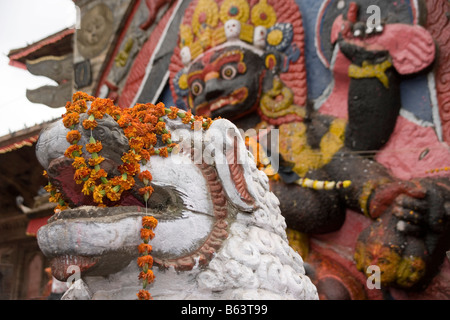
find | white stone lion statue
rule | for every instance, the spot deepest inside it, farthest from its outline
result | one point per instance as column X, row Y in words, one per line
column 220, row 234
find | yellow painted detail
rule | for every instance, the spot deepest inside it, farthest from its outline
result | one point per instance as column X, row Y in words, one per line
column 263, row 14
column 275, row 37
column 279, row 101
column 218, row 36
column 243, row 10
column 371, row 71
column 333, row 140
column 207, row 10
column 182, row 82
column 186, row 36
column 247, row 31
column 295, row 149
column 298, row 241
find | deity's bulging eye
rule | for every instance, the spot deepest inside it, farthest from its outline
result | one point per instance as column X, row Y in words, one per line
column 228, row 72
column 197, row 87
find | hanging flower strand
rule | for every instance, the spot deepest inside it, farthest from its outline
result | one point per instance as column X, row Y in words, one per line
column 145, row 260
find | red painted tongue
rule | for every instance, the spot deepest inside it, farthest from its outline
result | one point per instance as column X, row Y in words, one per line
column 68, row 265
column 62, row 172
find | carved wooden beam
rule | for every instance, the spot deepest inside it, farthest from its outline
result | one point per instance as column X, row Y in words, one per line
column 59, row 69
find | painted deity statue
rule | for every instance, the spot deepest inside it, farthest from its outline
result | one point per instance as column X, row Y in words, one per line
column 245, row 61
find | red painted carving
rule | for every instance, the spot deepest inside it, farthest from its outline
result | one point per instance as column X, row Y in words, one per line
column 110, row 61
column 153, row 8
column 438, row 25
column 137, row 72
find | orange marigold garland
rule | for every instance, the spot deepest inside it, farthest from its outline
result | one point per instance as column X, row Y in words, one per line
column 141, row 124
column 55, row 195
column 145, row 260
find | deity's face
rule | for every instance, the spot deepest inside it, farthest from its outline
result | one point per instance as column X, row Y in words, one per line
column 377, row 254
column 226, row 83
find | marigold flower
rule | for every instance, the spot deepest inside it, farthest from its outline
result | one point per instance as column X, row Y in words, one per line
column 99, row 107
column 150, row 140
column 60, row 207
column 82, row 173
column 55, row 197
column 163, row 152
column 147, row 189
column 125, row 120
column 129, row 168
column 141, row 261
column 79, row 95
column 78, row 162
column 111, row 194
column 145, row 154
column 172, row 145
column 159, row 110
column 198, row 118
column 96, row 161
column 98, row 194
column 166, row 137
column 138, row 107
column 207, row 123
column 150, row 222
column 144, row 295
column 160, row 127
column 115, row 112
column 145, row 175
column 149, row 276
column 45, row 174
column 87, row 187
column 196, row 125
column 73, row 108
column 173, row 113
column 94, row 147
column 130, row 157
column 71, row 119
column 142, row 129
column 147, row 234
column 187, row 117
column 89, row 124
column 81, row 105
column 130, row 131
column 73, row 151
column 99, row 174
column 136, row 144
column 125, row 184
column 49, row 188
column 150, row 118
column 145, row 248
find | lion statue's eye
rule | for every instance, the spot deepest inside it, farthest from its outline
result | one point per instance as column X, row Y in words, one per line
column 228, row 72
column 196, row 88
column 101, row 133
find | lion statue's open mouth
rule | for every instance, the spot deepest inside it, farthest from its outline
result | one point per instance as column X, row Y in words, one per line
column 220, row 233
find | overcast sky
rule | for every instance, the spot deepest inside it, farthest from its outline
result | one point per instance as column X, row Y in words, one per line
column 24, row 22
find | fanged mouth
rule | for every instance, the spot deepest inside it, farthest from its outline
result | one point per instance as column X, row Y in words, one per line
column 66, row 261
column 234, row 98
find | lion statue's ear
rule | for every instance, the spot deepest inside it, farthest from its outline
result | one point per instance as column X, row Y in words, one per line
column 234, row 165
